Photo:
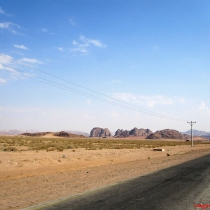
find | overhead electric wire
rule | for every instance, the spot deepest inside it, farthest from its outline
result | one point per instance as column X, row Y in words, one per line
column 19, row 62
column 82, row 93
column 55, row 84
column 131, row 106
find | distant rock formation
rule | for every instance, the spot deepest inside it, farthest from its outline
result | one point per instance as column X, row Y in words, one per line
column 186, row 136
column 78, row 133
column 65, row 134
column 167, row 134
column 197, row 133
column 59, row 134
column 15, row 132
column 62, row 134
column 120, row 133
column 100, row 132
column 140, row 132
column 35, row 134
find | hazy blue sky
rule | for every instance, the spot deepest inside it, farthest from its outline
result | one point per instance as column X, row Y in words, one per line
column 152, row 54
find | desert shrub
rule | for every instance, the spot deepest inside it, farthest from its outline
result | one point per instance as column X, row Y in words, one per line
column 60, row 148
column 50, row 149
column 10, row 149
column 49, row 144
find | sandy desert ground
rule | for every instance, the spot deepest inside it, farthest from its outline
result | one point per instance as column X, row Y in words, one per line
column 28, row 178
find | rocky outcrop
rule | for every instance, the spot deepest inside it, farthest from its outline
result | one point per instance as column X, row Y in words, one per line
column 140, row 132
column 186, row 136
column 120, row 133
column 35, row 134
column 100, row 132
column 59, row 134
column 167, row 134
column 62, row 134
column 65, row 134
column 78, row 133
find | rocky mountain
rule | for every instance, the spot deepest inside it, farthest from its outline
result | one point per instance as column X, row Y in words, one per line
column 168, row 134
column 197, row 133
column 120, row 133
column 100, row 132
column 140, row 132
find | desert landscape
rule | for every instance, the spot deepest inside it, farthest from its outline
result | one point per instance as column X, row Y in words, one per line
column 37, row 169
column 97, row 93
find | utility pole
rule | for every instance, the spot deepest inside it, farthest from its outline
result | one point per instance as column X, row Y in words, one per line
column 191, row 124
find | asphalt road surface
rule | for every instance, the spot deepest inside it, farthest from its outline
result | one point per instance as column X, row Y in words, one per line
column 178, row 188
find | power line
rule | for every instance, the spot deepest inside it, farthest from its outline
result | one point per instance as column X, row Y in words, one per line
column 84, row 94
column 131, row 107
column 19, row 62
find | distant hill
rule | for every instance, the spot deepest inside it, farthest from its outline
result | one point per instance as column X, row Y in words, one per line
column 78, row 132
column 15, row 132
column 67, row 134
column 168, row 134
column 51, row 134
column 197, row 133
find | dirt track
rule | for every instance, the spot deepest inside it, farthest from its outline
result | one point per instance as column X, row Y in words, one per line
column 30, row 178
column 183, row 186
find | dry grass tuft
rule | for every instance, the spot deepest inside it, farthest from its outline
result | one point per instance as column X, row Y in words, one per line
column 20, row 143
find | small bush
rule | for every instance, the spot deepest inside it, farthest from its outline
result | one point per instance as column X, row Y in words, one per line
column 10, row 149
column 49, row 144
column 60, row 148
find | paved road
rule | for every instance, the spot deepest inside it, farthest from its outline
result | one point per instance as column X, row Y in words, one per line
column 176, row 188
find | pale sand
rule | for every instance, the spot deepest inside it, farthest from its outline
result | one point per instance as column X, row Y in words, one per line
column 30, row 178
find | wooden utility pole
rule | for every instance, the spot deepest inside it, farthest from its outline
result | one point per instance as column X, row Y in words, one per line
column 191, row 124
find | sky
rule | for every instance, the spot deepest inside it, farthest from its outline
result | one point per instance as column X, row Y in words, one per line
column 75, row 65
